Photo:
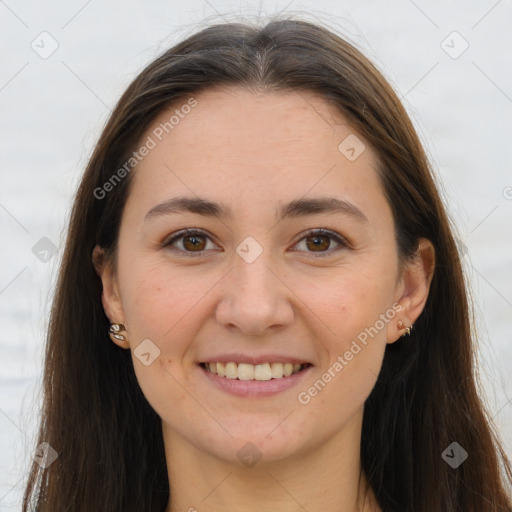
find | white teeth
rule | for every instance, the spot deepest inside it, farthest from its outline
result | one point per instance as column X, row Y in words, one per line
column 277, row 370
column 262, row 372
column 287, row 369
column 231, row 370
column 246, row 371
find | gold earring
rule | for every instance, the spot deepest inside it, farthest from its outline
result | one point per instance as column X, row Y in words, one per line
column 401, row 326
column 115, row 332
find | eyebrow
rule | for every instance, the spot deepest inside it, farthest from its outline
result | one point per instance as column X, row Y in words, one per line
column 296, row 208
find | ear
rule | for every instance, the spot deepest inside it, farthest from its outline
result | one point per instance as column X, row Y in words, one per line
column 110, row 296
column 413, row 289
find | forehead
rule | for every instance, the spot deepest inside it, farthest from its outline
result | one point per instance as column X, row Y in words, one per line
column 265, row 146
column 228, row 118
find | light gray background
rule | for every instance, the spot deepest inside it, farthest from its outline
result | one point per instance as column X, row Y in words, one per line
column 53, row 109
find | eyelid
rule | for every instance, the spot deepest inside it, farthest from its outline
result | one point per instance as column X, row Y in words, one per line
column 183, row 232
column 169, row 240
column 339, row 239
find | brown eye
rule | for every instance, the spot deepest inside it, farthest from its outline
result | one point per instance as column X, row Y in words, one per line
column 194, row 242
column 321, row 242
column 190, row 242
column 318, row 243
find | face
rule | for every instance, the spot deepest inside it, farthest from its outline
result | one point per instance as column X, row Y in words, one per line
column 294, row 268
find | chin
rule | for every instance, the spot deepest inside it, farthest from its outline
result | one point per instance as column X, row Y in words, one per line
column 251, row 445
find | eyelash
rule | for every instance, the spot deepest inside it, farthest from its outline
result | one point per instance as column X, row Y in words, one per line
column 343, row 243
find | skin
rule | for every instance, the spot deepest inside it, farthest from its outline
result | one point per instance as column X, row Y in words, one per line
column 255, row 152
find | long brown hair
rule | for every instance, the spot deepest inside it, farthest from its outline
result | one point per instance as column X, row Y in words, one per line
column 109, row 439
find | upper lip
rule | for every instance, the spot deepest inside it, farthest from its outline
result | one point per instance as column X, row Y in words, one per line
column 259, row 359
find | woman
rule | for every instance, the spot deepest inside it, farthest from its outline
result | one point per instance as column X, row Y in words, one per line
column 261, row 304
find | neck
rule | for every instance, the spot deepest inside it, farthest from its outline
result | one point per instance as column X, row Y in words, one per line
column 326, row 477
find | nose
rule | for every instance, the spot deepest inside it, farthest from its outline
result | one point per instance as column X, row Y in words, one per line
column 254, row 298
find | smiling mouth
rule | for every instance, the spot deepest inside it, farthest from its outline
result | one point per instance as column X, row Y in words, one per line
column 260, row 372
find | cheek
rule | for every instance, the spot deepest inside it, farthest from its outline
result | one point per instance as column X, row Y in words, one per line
column 162, row 304
column 159, row 298
column 348, row 300
column 355, row 310
column 354, row 307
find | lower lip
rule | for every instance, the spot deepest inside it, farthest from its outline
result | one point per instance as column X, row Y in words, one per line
column 255, row 388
